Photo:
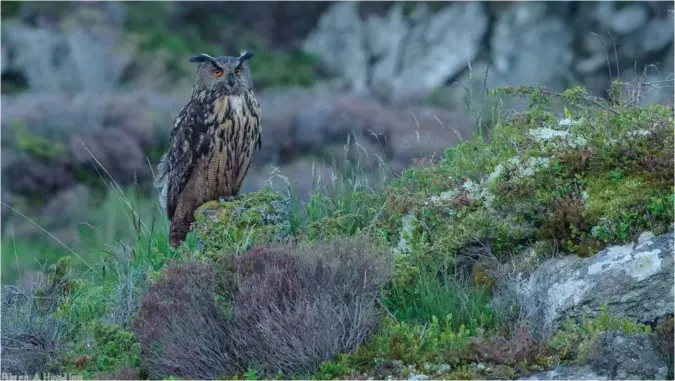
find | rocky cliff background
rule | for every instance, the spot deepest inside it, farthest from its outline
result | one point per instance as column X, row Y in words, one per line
column 89, row 90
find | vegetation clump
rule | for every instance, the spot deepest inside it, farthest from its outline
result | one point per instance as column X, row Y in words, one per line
column 284, row 308
column 568, row 182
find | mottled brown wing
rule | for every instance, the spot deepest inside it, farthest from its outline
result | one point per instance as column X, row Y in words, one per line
column 187, row 144
column 254, row 140
column 254, row 120
column 258, row 128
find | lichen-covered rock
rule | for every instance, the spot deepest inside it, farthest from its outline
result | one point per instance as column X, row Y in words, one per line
column 612, row 356
column 622, row 357
column 239, row 223
column 634, row 280
column 406, row 233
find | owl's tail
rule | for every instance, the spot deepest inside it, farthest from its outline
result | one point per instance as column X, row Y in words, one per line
column 162, row 180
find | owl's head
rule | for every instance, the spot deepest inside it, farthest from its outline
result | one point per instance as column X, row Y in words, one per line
column 228, row 74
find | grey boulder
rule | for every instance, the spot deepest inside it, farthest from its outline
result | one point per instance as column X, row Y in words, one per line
column 633, row 280
column 530, row 47
column 612, row 356
column 399, row 58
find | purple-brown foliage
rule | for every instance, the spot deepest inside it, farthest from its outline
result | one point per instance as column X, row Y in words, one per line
column 513, row 348
column 180, row 327
column 302, row 305
column 288, row 308
column 30, row 335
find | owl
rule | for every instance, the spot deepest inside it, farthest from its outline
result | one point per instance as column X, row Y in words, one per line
column 213, row 140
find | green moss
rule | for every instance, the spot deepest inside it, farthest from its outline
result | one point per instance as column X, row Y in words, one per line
column 238, row 224
column 407, row 344
column 622, row 208
column 103, row 348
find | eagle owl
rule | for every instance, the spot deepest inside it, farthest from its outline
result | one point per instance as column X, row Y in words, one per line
column 212, row 141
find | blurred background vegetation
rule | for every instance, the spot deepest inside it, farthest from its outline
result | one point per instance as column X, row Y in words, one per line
column 164, row 34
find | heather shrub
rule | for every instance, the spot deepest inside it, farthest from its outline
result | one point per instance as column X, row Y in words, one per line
column 515, row 348
column 30, row 336
column 300, row 305
column 285, row 308
column 180, row 327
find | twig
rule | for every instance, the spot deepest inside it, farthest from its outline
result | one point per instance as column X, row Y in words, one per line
column 616, row 54
column 609, row 66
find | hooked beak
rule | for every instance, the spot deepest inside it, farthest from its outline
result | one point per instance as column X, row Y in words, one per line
column 230, row 79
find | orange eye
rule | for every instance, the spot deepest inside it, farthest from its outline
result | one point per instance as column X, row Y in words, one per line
column 237, row 71
column 217, row 72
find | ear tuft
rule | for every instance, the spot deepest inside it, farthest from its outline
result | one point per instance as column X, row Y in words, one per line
column 245, row 55
column 203, row 57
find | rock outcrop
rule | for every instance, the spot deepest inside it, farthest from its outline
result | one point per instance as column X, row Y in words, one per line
column 401, row 58
column 633, row 280
column 403, row 54
column 612, row 356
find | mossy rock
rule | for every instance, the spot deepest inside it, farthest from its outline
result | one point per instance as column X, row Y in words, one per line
column 237, row 224
column 576, row 182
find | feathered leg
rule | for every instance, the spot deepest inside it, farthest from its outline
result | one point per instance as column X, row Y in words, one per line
column 181, row 223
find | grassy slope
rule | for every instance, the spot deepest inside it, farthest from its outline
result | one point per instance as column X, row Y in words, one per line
column 605, row 179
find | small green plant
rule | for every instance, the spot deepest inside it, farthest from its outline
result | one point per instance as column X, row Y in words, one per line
column 329, row 370
column 412, row 344
column 438, row 293
column 251, row 374
column 111, row 348
column 616, row 175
